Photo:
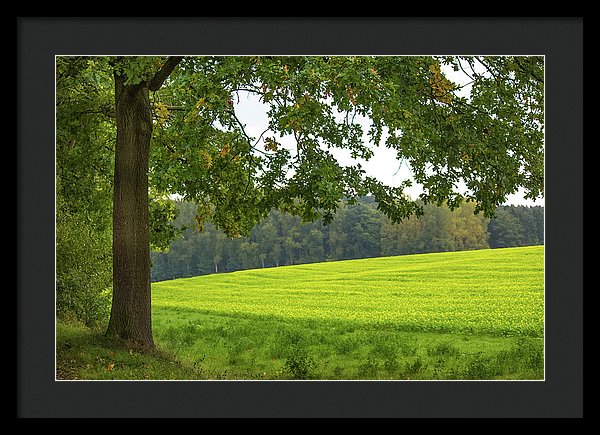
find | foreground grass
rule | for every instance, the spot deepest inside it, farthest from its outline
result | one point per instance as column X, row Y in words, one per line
column 236, row 347
column 205, row 346
column 461, row 315
column 84, row 353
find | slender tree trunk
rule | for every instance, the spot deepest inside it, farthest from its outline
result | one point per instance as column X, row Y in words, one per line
column 130, row 316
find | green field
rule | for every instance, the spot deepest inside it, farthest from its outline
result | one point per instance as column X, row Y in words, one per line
column 460, row 315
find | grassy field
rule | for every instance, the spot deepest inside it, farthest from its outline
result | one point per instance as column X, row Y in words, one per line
column 460, row 315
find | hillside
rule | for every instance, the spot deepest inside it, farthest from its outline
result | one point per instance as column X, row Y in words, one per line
column 458, row 315
column 497, row 291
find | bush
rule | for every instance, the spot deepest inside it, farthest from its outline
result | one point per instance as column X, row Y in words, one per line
column 83, row 268
column 299, row 363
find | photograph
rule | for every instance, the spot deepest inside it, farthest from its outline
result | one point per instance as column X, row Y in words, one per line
column 300, row 218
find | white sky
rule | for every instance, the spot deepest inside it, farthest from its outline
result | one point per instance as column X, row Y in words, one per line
column 383, row 165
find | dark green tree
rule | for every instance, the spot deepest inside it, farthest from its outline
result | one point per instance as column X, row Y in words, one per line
column 361, row 224
column 265, row 234
column 336, row 236
column 537, row 228
column 505, row 230
column 532, row 223
column 314, row 246
column 249, row 255
column 517, row 226
column 84, row 167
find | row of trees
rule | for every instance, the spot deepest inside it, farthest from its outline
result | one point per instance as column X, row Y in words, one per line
column 358, row 231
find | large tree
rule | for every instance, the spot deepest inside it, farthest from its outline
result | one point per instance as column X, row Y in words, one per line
column 178, row 132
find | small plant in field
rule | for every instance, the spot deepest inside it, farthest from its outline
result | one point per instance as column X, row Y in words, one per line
column 390, row 364
column 407, row 347
column 481, row 367
column 344, row 346
column 290, row 337
column 337, row 371
column 415, row 367
column 384, row 349
column 368, row 369
column 233, row 353
column 526, row 356
column 285, row 339
column 531, row 352
column 299, row 363
column 443, row 349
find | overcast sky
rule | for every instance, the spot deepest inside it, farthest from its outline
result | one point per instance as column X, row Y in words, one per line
column 383, row 165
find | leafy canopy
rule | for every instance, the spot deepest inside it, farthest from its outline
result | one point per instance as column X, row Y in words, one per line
column 491, row 139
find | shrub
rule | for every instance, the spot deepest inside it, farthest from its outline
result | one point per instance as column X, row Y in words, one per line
column 83, row 268
column 299, row 363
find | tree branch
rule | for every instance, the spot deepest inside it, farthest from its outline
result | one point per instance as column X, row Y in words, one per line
column 466, row 73
column 248, row 140
column 172, row 150
column 183, row 108
column 104, row 110
column 489, row 69
column 530, row 71
column 161, row 75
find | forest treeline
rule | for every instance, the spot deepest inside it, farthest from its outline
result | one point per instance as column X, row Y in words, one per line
column 358, row 231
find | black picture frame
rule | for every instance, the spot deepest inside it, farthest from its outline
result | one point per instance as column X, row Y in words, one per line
column 560, row 40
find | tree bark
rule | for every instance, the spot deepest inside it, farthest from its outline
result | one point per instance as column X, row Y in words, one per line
column 131, row 316
column 131, row 310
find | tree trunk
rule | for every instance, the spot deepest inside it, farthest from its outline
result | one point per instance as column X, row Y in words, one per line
column 130, row 316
